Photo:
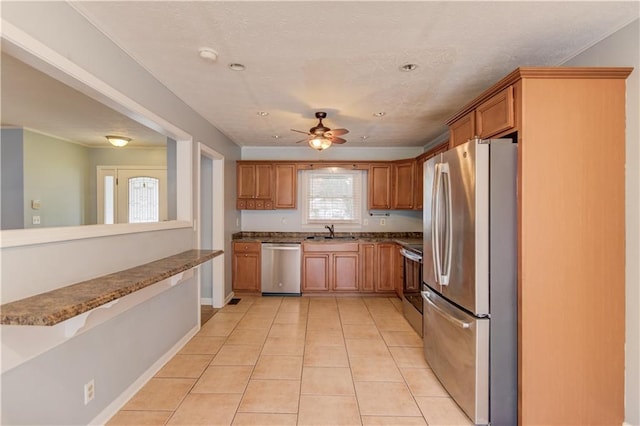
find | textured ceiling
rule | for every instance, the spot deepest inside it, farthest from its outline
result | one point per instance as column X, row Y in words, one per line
column 344, row 58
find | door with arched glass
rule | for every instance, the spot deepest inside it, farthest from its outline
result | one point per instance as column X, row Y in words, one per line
column 132, row 195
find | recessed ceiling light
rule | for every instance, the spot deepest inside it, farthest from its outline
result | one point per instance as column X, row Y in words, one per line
column 408, row 67
column 262, row 113
column 364, row 137
column 379, row 114
column 276, row 136
column 208, row 53
column 237, row 67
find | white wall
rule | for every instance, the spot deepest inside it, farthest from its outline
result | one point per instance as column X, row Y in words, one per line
column 56, row 173
column 622, row 49
column 118, row 351
column 291, row 220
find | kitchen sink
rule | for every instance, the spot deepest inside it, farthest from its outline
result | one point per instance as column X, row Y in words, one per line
column 328, row 238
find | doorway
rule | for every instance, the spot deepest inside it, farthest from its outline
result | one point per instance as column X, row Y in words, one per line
column 210, row 224
column 131, row 194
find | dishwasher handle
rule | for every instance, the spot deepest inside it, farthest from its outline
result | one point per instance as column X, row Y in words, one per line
column 272, row 246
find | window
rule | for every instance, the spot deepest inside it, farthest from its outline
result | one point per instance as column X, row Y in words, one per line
column 144, row 199
column 332, row 196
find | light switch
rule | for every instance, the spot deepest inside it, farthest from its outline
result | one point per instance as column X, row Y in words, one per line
column 35, row 204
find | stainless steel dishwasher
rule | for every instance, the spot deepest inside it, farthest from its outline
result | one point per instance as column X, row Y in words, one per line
column 281, row 269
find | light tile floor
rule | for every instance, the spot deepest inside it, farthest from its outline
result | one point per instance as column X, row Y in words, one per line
column 298, row 361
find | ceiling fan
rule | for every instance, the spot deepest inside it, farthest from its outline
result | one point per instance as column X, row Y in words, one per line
column 321, row 137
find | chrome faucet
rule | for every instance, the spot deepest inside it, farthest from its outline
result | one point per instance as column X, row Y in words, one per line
column 331, row 230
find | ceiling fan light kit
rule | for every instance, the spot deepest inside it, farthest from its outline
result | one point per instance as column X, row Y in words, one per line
column 319, row 143
column 321, row 137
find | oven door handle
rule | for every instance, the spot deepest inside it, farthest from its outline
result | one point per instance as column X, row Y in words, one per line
column 411, row 255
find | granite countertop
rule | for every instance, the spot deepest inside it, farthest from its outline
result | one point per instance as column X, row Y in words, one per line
column 58, row 305
column 403, row 238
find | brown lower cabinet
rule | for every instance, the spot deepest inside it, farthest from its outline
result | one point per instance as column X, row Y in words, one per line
column 330, row 267
column 349, row 267
column 378, row 271
column 246, row 266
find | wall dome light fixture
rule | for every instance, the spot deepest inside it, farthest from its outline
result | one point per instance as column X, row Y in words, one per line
column 118, row 141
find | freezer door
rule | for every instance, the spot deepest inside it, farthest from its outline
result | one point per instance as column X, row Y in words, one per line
column 456, row 346
column 463, row 225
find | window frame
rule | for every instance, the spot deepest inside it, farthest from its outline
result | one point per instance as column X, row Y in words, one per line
column 359, row 178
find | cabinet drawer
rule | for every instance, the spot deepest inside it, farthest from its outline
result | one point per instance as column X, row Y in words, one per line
column 496, row 115
column 246, row 247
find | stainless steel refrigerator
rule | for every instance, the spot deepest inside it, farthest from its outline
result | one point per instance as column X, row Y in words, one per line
column 470, row 277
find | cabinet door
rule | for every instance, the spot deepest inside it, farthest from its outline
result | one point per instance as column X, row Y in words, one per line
column 315, row 271
column 462, row 130
column 419, row 185
column 496, row 115
column 246, row 180
column 380, row 186
column 285, row 186
column 386, row 267
column 345, row 271
column 367, row 270
column 246, row 271
column 403, row 184
column 398, row 270
column 263, row 188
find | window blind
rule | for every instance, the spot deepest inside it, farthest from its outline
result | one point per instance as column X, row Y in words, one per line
column 332, row 196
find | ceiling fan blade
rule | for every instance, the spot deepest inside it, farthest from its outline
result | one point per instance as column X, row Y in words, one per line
column 300, row 131
column 337, row 140
column 336, row 132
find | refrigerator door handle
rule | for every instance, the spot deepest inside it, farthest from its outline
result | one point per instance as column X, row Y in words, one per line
column 445, row 268
column 435, row 225
column 443, row 313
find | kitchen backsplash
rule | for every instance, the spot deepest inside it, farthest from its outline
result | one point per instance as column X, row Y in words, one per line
column 291, row 221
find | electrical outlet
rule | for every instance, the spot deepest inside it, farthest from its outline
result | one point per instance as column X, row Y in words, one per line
column 89, row 391
column 383, row 222
column 36, row 220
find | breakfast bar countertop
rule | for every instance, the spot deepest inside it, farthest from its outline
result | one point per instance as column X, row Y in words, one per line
column 55, row 306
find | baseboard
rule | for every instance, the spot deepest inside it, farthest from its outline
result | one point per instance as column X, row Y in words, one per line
column 206, row 301
column 229, row 297
column 125, row 396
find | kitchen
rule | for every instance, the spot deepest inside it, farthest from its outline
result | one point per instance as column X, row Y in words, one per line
column 275, row 220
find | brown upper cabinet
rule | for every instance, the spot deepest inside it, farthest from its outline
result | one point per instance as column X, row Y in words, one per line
column 266, row 186
column 379, row 188
column 255, row 186
column 404, row 175
column 285, row 186
column 493, row 117
column 420, row 160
